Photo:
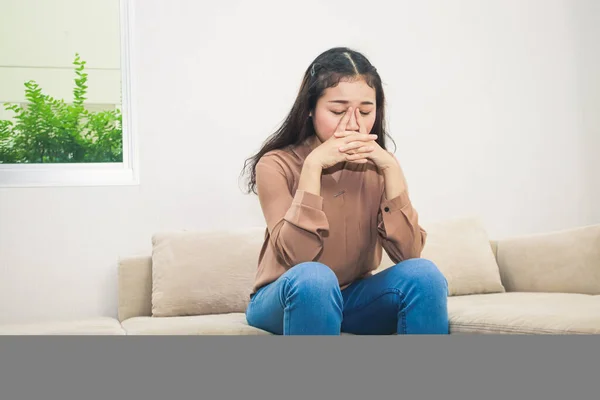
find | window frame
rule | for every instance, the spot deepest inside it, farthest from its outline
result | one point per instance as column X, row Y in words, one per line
column 92, row 174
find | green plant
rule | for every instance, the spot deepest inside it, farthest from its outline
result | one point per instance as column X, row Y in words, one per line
column 48, row 130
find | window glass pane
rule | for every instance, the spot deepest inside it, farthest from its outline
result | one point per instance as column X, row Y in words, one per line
column 60, row 81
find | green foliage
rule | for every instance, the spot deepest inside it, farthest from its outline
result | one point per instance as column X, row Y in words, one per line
column 48, row 130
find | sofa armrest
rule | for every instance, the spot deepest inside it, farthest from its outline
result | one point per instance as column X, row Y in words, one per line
column 135, row 287
column 566, row 261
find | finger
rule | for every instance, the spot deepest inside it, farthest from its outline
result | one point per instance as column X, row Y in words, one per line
column 352, row 146
column 344, row 121
column 345, row 133
column 357, row 156
column 361, row 126
column 355, row 135
column 365, row 149
column 360, row 137
column 361, row 150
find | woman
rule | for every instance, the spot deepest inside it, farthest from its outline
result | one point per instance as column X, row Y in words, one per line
column 332, row 197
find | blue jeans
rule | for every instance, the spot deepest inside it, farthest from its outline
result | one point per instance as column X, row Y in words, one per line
column 408, row 298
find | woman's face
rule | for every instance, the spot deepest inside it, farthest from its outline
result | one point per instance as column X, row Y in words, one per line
column 336, row 100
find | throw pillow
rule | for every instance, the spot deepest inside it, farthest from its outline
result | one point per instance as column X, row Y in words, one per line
column 462, row 251
column 199, row 273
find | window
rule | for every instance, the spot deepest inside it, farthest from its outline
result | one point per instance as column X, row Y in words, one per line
column 65, row 93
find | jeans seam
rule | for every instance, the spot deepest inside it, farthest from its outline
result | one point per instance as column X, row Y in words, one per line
column 403, row 316
column 284, row 289
column 401, row 304
column 286, row 316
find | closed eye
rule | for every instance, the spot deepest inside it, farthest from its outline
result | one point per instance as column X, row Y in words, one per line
column 341, row 112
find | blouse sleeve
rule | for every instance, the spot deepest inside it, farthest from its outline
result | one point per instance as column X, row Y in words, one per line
column 296, row 222
column 399, row 230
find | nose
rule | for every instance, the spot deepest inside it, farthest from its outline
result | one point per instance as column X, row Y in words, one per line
column 352, row 123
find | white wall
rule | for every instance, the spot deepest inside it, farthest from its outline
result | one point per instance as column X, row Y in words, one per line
column 586, row 13
column 484, row 101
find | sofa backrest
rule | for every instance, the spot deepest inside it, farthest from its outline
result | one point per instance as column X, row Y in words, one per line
column 135, row 287
column 566, row 261
column 135, row 284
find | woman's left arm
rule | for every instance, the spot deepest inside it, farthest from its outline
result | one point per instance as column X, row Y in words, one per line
column 398, row 221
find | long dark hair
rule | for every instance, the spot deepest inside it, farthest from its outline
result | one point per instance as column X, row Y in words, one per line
column 326, row 71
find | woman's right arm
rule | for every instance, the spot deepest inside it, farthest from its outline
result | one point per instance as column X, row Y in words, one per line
column 310, row 177
column 296, row 222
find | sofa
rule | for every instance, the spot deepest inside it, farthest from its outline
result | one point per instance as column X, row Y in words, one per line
column 197, row 283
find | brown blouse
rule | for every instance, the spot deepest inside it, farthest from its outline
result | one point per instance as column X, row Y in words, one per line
column 344, row 228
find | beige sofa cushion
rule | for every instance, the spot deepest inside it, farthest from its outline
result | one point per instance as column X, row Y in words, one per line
column 525, row 313
column 220, row 324
column 462, row 251
column 89, row 326
column 566, row 261
column 199, row 273
column 495, row 313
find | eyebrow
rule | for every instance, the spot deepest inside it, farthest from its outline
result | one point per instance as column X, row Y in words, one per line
column 368, row 103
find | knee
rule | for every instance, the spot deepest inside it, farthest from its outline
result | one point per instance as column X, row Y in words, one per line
column 312, row 278
column 423, row 274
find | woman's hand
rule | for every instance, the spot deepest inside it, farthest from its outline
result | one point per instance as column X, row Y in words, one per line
column 329, row 153
column 354, row 148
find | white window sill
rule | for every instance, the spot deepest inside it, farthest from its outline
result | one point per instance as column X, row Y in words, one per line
column 45, row 175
